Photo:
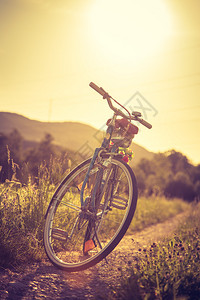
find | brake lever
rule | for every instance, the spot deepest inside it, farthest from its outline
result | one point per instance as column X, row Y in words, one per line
column 136, row 113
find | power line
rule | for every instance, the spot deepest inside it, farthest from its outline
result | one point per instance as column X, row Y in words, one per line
column 183, row 108
column 172, row 78
column 180, row 121
column 143, row 84
column 176, row 87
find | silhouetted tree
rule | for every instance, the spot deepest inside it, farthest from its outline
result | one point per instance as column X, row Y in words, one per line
column 15, row 141
column 141, row 180
column 170, row 173
column 180, row 189
column 179, row 162
column 197, row 190
column 42, row 153
column 147, row 166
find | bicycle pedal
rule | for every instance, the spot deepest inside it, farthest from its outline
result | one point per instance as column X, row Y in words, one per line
column 119, row 202
column 89, row 245
column 59, row 234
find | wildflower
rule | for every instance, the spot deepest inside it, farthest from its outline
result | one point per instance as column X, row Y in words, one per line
column 138, row 267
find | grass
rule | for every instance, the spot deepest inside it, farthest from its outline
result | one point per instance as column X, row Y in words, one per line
column 22, row 210
column 166, row 270
column 155, row 210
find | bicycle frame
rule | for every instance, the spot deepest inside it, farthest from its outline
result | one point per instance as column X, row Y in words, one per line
column 104, row 146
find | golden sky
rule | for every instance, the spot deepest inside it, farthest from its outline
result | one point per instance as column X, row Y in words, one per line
column 51, row 50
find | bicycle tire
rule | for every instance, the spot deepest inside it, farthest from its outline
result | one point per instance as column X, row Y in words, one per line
column 59, row 245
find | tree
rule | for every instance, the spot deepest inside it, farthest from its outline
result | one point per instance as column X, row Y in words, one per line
column 178, row 161
column 46, row 149
column 41, row 154
column 141, row 180
column 197, row 190
column 147, row 166
column 179, row 189
column 15, row 141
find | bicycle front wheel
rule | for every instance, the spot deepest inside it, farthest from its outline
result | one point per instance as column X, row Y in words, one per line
column 75, row 240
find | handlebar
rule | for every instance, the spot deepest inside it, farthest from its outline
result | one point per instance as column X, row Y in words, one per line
column 143, row 122
column 99, row 90
column 106, row 96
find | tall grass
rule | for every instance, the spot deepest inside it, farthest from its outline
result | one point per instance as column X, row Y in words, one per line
column 168, row 269
column 22, row 211
column 153, row 210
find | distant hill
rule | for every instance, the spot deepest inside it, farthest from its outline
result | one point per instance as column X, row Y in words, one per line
column 71, row 135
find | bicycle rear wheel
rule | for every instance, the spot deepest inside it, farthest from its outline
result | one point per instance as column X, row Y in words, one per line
column 75, row 239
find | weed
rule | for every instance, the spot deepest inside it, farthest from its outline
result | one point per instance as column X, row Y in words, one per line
column 22, row 210
column 168, row 269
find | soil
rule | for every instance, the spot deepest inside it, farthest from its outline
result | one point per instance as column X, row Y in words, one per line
column 44, row 281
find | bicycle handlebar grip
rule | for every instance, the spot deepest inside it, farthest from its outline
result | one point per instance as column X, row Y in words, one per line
column 145, row 123
column 97, row 89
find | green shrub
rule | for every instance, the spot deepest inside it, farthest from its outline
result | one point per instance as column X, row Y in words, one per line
column 178, row 188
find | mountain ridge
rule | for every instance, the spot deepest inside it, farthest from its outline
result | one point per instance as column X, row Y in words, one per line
column 74, row 136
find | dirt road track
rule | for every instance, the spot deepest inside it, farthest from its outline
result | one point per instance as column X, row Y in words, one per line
column 44, row 281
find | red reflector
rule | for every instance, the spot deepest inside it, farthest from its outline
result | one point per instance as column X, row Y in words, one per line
column 89, row 245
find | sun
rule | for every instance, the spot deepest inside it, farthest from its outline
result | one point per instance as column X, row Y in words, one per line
column 129, row 30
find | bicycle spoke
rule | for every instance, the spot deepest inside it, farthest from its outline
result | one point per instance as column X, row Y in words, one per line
column 77, row 238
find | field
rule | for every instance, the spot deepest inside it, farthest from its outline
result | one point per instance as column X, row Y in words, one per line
column 22, row 210
column 162, row 270
column 153, row 210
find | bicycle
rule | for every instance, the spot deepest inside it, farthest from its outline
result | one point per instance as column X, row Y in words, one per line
column 94, row 204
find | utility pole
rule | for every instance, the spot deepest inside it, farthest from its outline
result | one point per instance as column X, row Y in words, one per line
column 50, row 110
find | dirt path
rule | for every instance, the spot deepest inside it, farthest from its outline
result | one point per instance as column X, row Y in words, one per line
column 44, row 281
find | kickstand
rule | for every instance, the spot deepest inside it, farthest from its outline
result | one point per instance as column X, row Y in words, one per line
column 98, row 241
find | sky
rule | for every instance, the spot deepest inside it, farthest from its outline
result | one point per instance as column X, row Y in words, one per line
column 144, row 53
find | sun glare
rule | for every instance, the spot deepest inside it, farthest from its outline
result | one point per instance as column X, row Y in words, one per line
column 130, row 30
